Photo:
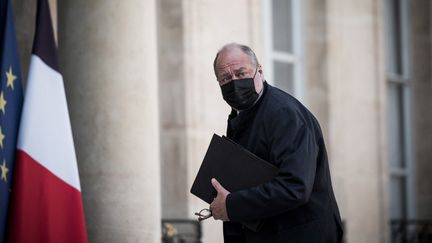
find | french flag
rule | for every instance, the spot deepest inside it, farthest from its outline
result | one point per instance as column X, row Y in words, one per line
column 46, row 203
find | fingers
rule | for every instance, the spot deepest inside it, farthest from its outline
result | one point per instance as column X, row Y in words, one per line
column 218, row 207
column 216, row 185
column 217, row 212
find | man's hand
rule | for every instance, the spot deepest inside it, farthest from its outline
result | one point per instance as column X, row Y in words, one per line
column 218, row 206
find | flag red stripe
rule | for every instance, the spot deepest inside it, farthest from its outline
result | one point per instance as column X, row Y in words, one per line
column 44, row 208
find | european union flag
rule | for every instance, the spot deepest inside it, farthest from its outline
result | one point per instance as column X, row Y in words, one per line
column 11, row 98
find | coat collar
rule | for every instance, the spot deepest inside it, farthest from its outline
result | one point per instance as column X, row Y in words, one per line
column 237, row 121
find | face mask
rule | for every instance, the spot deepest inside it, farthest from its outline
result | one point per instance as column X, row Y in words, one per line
column 240, row 94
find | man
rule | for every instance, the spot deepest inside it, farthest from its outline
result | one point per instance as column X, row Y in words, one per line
column 298, row 204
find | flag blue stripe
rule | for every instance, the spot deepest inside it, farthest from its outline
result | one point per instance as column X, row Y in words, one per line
column 44, row 45
column 9, row 119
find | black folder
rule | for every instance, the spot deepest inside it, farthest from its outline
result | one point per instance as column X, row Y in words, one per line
column 234, row 167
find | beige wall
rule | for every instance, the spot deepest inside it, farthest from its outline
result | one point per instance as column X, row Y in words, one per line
column 316, row 61
column 192, row 108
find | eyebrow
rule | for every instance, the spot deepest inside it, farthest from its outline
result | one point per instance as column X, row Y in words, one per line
column 240, row 69
column 224, row 75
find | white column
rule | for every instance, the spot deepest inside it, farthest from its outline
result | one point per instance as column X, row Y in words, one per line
column 357, row 116
column 108, row 55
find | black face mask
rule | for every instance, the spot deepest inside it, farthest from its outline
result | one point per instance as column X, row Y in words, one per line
column 240, row 94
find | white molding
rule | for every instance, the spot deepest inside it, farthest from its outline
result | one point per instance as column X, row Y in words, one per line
column 398, row 172
column 396, row 78
column 404, row 80
column 409, row 146
column 295, row 58
column 284, row 57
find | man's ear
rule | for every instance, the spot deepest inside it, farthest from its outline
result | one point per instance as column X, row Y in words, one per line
column 260, row 69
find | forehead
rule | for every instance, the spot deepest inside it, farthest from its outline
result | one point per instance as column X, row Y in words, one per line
column 232, row 59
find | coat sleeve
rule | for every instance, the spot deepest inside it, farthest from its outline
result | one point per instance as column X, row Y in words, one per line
column 292, row 146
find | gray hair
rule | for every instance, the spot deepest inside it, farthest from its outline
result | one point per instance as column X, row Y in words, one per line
column 246, row 49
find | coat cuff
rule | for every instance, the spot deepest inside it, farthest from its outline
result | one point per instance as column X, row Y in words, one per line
column 231, row 207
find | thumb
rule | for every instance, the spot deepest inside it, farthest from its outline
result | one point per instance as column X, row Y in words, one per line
column 216, row 185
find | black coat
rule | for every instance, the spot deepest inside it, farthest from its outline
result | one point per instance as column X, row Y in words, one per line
column 298, row 205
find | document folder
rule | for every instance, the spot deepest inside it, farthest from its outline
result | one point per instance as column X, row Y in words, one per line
column 234, row 167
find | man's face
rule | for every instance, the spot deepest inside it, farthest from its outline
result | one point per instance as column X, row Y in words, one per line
column 234, row 64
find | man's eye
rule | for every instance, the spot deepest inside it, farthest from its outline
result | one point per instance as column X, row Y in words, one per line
column 242, row 74
column 224, row 80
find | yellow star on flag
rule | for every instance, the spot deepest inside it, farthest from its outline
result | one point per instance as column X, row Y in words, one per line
column 2, row 136
column 4, row 171
column 2, row 102
column 10, row 78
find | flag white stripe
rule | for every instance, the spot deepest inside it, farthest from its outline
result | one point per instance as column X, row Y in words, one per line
column 45, row 132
